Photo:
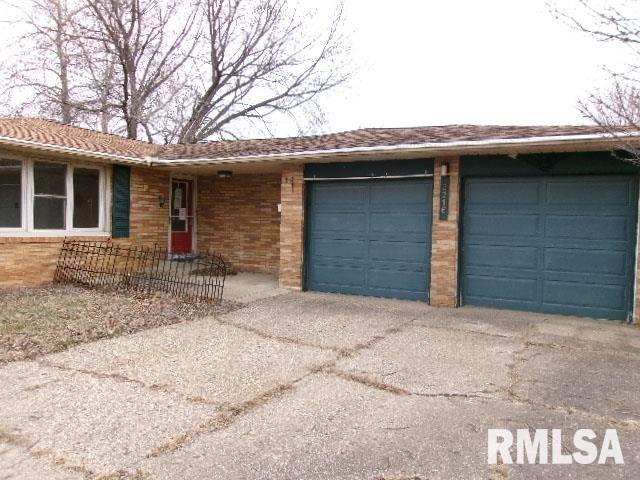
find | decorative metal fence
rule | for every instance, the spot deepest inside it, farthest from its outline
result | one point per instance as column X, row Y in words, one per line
column 141, row 268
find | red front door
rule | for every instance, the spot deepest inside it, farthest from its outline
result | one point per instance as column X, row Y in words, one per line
column 181, row 216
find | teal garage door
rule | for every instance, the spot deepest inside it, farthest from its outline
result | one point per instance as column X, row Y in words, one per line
column 550, row 244
column 370, row 237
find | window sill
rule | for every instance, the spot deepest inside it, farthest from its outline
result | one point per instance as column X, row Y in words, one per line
column 49, row 237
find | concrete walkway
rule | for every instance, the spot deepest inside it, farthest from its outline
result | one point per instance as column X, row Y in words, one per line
column 321, row 386
column 248, row 287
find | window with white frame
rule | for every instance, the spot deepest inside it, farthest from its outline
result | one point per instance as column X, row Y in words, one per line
column 10, row 194
column 48, row 197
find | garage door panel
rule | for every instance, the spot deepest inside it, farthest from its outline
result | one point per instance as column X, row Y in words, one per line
column 340, row 222
column 338, row 195
column 590, row 227
column 339, row 248
column 398, row 223
column 339, row 275
column 583, row 295
column 522, row 289
column 585, row 261
column 584, row 246
column 487, row 192
column 585, row 278
column 581, row 193
column 587, row 244
column 502, row 224
column 388, row 194
column 502, row 256
column 398, row 251
column 399, row 280
column 497, row 272
column 380, row 247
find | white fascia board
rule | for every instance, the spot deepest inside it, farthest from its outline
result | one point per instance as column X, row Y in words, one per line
column 465, row 146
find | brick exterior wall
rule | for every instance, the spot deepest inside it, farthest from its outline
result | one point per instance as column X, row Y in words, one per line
column 238, row 217
column 292, row 227
column 149, row 221
column 27, row 261
column 444, row 246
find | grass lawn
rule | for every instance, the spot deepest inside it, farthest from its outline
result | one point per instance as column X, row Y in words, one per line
column 36, row 321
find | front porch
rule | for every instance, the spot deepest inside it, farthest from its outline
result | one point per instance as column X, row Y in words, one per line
column 254, row 219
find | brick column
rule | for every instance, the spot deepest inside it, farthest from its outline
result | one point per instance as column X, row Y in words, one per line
column 292, row 227
column 444, row 243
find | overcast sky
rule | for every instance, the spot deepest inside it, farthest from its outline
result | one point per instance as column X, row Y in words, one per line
column 434, row 62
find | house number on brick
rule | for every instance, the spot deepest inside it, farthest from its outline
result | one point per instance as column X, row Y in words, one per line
column 444, row 198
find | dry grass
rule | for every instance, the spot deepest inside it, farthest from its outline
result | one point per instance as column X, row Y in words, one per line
column 36, row 321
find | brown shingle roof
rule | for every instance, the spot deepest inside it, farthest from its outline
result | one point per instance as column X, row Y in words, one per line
column 369, row 137
column 52, row 133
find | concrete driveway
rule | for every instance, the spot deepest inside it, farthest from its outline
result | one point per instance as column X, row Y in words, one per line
column 321, row 386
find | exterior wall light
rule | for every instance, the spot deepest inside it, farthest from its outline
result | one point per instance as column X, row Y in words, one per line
column 444, row 169
column 162, row 200
column 225, row 174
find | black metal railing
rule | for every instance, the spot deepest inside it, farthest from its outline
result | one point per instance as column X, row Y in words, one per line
column 141, row 268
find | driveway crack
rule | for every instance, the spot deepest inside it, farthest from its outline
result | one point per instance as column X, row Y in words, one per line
column 132, row 381
column 278, row 338
column 226, row 417
column 511, row 391
column 46, row 454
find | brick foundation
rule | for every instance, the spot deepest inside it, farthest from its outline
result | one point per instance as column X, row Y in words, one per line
column 292, row 227
column 238, row 217
column 28, row 261
column 444, row 246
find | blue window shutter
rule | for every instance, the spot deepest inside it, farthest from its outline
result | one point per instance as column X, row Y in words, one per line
column 121, row 201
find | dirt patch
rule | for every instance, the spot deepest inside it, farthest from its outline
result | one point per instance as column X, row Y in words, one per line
column 36, row 321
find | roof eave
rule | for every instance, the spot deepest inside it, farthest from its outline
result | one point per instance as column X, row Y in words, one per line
column 79, row 152
column 430, row 149
column 603, row 141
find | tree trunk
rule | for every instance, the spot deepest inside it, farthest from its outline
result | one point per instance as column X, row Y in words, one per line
column 63, row 60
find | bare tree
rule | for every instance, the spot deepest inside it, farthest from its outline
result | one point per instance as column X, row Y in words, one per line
column 137, row 33
column 181, row 70
column 98, row 84
column 606, row 20
column 617, row 23
column 260, row 57
column 618, row 106
column 49, row 57
column 615, row 109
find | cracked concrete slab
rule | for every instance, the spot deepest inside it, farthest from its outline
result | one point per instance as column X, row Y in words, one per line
column 563, row 331
column 501, row 323
column 202, row 360
column 334, row 428
column 97, row 424
column 590, row 334
column 16, row 463
column 326, row 320
column 596, row 382
column 318, row 385
column 431, row 360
